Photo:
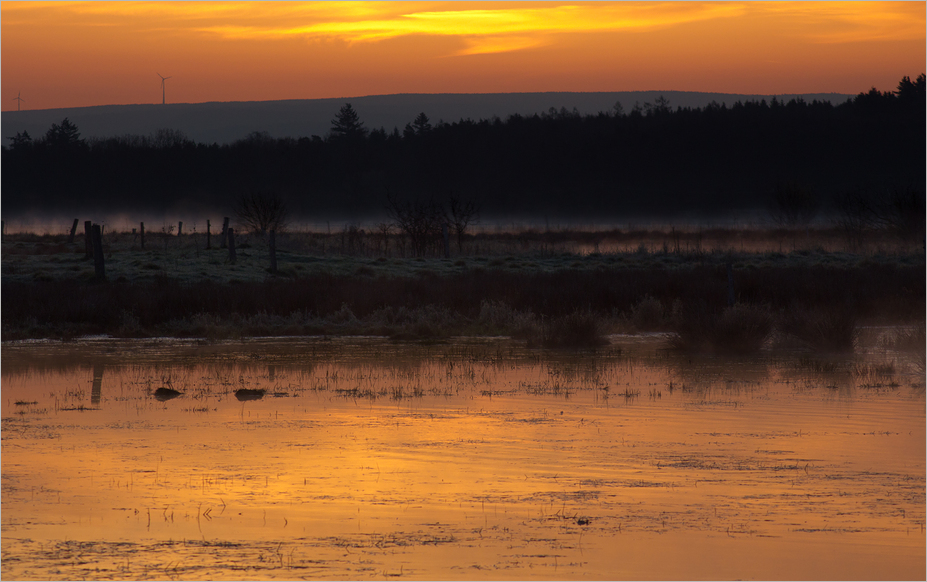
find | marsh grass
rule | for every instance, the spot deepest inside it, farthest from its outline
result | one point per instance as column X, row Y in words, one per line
column 741, row 329
column 579, row 329
column 530, row 294
column 302, row 254
column 650, row 315
column 817, row 366
column 907, row 339
column 498, row 318
column 824, row 329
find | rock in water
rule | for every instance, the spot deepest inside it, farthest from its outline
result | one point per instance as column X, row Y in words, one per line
column 249, row 394
column 163, row 393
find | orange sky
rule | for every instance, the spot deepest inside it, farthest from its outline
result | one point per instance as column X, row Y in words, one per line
column 72, row 54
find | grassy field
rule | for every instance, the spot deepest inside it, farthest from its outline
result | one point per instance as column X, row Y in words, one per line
column 550, row 288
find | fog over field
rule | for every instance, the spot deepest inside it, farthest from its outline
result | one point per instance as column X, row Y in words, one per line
column 225, row 122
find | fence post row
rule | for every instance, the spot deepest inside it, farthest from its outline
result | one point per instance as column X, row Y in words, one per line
column 88, row 240
column 73, row 232
column 230, row 234
column 225, row 232
column 98, row 266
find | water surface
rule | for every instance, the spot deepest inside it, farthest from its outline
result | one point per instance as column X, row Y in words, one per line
column 475, row 459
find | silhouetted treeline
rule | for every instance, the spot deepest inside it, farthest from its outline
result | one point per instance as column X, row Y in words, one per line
column 638, row 159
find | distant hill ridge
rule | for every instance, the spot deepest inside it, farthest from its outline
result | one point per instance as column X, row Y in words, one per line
column 225, row 122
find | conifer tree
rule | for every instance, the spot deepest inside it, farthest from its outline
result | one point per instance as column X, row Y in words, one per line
column 347, row 125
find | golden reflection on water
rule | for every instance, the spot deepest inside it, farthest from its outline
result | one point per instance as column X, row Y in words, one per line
column 475, row 459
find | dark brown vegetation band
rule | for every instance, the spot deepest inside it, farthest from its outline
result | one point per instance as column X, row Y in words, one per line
column 884, row 293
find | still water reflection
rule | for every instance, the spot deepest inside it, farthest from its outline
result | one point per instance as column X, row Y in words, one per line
column 364, row 459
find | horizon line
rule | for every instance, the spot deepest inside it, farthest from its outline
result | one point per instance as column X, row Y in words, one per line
column 432, row 94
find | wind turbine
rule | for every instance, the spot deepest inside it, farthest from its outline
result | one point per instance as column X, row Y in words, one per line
column 162, row 87
column 19, row 100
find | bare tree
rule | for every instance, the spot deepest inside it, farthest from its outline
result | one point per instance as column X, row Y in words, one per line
column 420, row 221
column 262, row 211
column 902, row 213
column 793, row 206
column 385, row 229
column 854, row 217
column 462, row 214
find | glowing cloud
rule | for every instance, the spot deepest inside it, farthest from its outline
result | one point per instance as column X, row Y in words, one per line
column 494, row 24
column 86, row 53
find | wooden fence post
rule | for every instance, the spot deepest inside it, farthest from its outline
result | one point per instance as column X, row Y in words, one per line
column 141, row 233
column 273, row 252
column 179, row 228
column 88, row 239
column 225, row 233
column 230, row 234
column 98, row 266
column 73, row 232
column 208, row 235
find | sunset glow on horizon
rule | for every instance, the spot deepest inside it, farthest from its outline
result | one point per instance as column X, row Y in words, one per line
column 74, row 54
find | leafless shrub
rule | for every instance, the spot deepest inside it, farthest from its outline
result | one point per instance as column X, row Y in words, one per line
column 793, row 206
column 901, row 213
column 462, row 214
column 384, row 230
column 420, row 221
column 854, row 218
column 261, row 211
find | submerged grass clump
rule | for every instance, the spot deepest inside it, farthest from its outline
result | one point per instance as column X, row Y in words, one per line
column 580, row 329
column 908, row 339
column 823, row 329
column 648, row 315
column 423, row 323
column 741, row 329
column 498, row 318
